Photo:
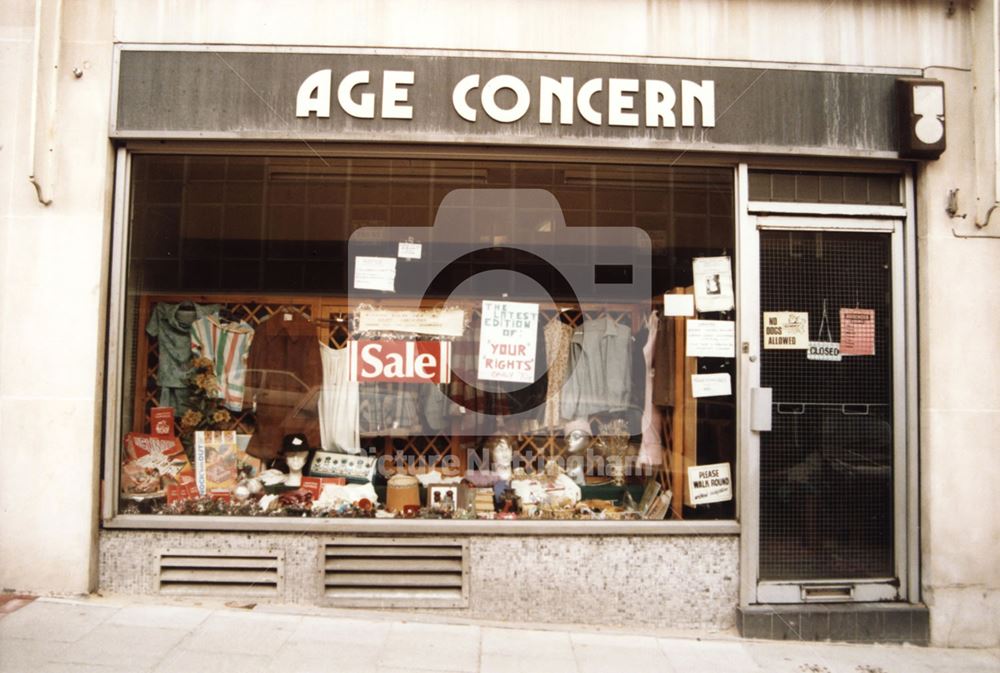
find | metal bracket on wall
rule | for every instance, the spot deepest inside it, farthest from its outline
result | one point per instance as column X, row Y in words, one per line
column 958, row 235
column 952, row 211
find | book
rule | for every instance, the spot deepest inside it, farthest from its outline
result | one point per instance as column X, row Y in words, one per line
column 161, row 421
column 315, row 485
column 151, row 464
column 216, row 460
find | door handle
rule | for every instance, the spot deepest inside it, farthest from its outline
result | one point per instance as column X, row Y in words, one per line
column 760, row 409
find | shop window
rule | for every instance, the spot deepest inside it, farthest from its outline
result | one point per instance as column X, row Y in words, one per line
column 449, row 339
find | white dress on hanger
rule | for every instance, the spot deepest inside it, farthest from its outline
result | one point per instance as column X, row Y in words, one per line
column 338, row 403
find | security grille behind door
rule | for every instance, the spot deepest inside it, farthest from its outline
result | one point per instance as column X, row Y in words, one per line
column 826, row 491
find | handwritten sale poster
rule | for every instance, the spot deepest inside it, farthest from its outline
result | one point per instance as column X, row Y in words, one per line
column 507, row 341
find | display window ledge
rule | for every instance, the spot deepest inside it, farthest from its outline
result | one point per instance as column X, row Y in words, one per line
column 418, row 526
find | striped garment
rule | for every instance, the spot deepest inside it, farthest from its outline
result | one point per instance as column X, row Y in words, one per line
column 227, row 346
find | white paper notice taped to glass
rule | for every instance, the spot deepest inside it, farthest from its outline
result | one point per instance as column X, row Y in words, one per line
column 713, row 283
column 681, row 305
column 507, row 341
column 786, row 330
column 711, row 385
column 435, row 322
column 410, row 250
column 375, row 273
column 709, row 483
column 710, row 339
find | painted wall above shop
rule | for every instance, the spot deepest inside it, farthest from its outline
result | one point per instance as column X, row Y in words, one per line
column 915, row 33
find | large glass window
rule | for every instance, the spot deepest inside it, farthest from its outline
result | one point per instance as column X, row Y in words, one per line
column 409, row 338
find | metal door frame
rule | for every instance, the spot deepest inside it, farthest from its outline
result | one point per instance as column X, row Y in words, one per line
column 898, row 222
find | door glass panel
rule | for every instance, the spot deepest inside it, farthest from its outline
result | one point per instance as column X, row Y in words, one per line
column 826, row 466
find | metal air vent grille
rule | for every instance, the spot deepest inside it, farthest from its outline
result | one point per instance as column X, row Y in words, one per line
column 396, row 572
column 216, row 573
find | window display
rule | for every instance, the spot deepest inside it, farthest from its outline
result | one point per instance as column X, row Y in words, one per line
column 439, row 338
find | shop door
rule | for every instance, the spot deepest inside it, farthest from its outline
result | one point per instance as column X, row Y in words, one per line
column 828, row 465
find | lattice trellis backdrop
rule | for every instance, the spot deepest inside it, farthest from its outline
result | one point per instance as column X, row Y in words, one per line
column 333, row 327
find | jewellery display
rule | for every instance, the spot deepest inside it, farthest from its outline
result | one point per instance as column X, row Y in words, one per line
column 348, row 466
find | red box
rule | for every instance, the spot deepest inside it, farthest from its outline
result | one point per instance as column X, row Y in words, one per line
column 161, row 421
column 219, row 494
column 315, row 485
column 184, row 491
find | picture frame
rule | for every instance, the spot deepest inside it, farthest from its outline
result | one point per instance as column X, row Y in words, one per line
column 442, row 496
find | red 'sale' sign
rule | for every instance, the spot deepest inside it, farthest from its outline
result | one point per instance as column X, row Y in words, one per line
column 400, row 361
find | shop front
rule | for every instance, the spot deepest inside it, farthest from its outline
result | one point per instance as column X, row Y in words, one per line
column 515, row 337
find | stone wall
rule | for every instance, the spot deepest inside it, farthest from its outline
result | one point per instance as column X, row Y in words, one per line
column 673, row 581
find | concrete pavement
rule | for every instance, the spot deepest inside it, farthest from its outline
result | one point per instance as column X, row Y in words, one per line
column 122, row 635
